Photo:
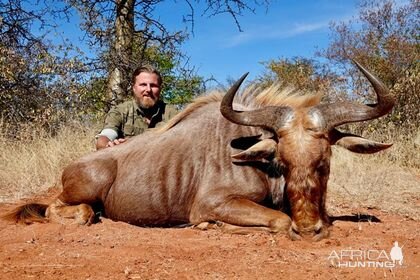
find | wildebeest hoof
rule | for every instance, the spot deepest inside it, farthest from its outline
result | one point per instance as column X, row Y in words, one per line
column 323, row 232
column 206, row 226
column 220, row 224
column 294, row 234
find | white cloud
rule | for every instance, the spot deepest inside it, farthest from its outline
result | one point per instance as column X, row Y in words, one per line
column 273, row 32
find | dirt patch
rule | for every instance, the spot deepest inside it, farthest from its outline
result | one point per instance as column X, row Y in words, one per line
column 116, row 250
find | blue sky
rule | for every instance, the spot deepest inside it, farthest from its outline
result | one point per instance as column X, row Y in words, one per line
column 287, row 28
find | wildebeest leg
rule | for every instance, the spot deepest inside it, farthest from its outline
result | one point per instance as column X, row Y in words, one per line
column 84, row 184
column 229, row 228
column 62, row 213
column 245, row 216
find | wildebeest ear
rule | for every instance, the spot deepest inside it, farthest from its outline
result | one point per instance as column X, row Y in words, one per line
column 264, row 149
column 355, row 143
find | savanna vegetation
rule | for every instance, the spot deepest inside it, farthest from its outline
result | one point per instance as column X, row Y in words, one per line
column 53, row 96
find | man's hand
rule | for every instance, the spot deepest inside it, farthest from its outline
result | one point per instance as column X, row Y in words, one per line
column 115, row 142
column 103, row 142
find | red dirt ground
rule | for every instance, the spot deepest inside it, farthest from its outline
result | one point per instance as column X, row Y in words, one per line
column 116, row 250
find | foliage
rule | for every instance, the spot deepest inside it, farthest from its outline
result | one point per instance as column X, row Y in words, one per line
column 39, row 80
column 180, row 83
column 384, row 38
column 300, row 73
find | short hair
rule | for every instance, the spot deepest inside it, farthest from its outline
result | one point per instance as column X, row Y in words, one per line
column 147, row 69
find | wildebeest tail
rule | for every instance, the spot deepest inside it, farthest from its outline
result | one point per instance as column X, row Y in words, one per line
column 27, row 213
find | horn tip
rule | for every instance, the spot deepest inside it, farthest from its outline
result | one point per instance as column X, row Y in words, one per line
column 244, row 76
column 357, row 63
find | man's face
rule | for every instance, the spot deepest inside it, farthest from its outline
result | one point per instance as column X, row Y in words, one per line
column 146, row 89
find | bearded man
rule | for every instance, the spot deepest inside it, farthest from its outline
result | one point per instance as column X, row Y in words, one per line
column 133, row 117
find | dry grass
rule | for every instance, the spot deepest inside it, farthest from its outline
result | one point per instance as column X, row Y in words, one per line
column 382, row 181
column 388, row 180
column 372, row 181
column 34, row 163
column 404, row 152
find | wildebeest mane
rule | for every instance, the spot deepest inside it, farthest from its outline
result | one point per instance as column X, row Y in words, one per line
column 251, row 98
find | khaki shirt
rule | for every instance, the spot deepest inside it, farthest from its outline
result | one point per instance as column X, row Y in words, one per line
column 128, row 119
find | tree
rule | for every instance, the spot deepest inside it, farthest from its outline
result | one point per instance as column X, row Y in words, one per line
column 385, row 39
column 304, row 75
column 32, row 73
column 128, row 31
column 301, row 74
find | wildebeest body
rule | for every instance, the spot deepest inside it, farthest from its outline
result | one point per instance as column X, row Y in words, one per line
column 176, row 176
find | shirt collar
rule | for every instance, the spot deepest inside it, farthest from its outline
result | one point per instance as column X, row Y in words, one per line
column 152, row 112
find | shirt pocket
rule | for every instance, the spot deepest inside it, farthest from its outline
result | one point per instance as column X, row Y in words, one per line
column 129, row 130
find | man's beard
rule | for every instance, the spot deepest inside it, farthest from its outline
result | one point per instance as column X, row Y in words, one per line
column 145, row 103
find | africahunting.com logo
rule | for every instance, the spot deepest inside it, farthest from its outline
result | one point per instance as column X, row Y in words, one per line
column 350, row 258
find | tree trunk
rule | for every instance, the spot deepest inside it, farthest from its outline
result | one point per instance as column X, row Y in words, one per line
column 121, row 52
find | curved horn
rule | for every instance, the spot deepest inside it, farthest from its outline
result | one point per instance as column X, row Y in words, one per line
column 271, row 117
column 346, row 112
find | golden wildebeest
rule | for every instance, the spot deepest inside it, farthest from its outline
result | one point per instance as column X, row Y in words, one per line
column 260, row 164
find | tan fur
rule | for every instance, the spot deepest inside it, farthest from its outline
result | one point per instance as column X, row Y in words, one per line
column 252, row 97
column 303, row 149
column 59, row 212
column 198, row 103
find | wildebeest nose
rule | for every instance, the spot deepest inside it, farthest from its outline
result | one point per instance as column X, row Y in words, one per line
column 316, row 232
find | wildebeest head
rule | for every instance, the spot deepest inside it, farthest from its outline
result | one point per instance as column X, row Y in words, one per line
column 301, row 145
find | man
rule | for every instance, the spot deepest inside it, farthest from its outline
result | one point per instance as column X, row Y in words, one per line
column 133, row 117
